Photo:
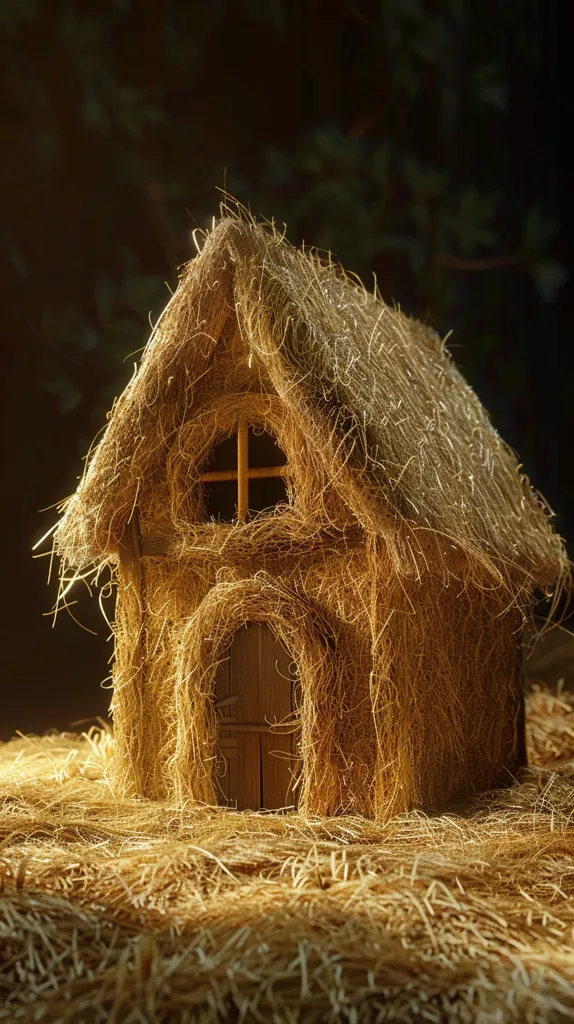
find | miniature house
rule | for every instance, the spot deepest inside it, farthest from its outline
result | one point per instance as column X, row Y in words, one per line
column 324, row 551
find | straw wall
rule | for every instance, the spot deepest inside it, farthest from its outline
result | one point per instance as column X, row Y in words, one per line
column 410, row 691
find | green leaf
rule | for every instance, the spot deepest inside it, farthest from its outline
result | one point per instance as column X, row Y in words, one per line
column 94, row 114
column 44, row 145
column 381, row 165
column 15, row 253
column 539, row 230
column 426, row 182
column 14, row 13
column 277, row 169
column 491, row 85
column 68, row 395
column 549, row 277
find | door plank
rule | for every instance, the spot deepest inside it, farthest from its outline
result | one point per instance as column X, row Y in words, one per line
column 245, row 670
column 276, row 748
column 276, row 763
column 249, row 772
column 232, row 760
column 221, row 692
column 246, row 683
column 274, row 671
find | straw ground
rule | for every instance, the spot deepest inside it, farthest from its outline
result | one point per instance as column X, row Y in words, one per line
column 137, row 911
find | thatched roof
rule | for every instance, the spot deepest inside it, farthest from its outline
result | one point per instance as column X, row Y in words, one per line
column 409, row 423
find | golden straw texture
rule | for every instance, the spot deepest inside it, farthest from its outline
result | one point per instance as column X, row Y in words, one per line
column 371, row 387
column 131, row 910
column 397, row 576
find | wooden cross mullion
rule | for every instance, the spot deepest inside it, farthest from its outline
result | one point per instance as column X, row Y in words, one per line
column 242, row 471
column 253, row 473
column 243, row 474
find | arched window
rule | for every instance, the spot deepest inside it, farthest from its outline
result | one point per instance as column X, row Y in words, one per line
column 245, row 475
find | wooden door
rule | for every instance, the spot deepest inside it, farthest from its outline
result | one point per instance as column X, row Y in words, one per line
column 255, row 689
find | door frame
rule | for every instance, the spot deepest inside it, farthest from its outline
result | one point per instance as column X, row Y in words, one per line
column 203, row 642
column 255, row 685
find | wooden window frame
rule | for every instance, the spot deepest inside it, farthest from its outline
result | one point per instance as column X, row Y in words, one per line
column 244, row 473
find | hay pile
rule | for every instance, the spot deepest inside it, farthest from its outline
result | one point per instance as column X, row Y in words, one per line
column 397, row 577
column 131, row 911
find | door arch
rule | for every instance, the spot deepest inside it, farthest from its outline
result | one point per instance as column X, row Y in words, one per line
column 202, row 643
column 257, row 743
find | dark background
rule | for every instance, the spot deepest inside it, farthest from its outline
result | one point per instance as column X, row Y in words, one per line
column 420, row 141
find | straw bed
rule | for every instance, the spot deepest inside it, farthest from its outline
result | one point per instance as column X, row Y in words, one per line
column 129, row 910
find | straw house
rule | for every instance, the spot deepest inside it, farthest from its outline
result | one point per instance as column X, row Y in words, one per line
column 324, row 551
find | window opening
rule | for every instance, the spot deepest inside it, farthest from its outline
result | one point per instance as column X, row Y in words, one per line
column 245, row 475
column 219, row 482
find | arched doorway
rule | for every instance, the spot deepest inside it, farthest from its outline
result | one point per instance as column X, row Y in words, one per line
column 256, row 689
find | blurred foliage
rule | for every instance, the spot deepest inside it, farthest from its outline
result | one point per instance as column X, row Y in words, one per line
column 394, row 134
